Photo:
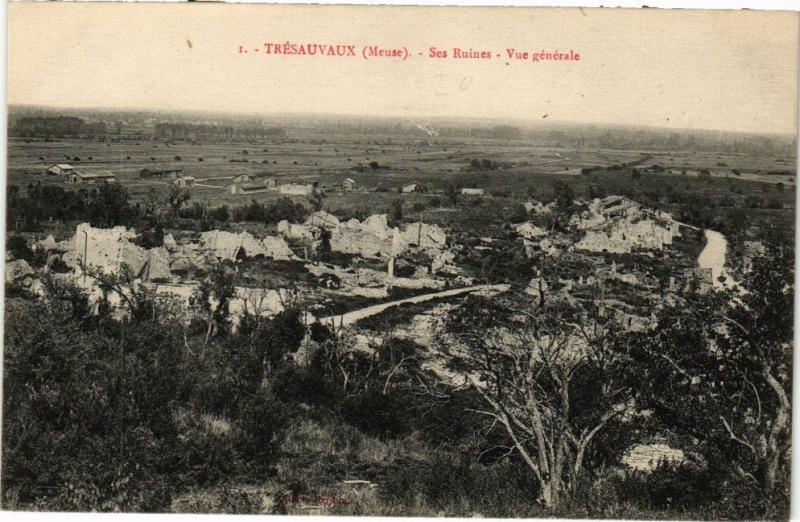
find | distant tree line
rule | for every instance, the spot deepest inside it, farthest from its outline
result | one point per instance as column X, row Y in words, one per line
column 106, row 205
column 56, row 127
column 109, row 205
column 203, row 132
column 279, row 210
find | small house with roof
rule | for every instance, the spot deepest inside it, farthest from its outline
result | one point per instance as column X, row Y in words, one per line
column 60, row 169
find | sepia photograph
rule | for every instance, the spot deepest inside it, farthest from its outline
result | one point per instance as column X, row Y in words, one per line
column 399, row 261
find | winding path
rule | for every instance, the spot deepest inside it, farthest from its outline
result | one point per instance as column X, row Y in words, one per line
column 356, row 315
column 713, row 257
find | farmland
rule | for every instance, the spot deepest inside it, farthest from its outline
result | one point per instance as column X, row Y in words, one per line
column 526, row 169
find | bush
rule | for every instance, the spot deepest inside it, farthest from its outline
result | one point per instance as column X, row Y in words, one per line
column 283, row 208
column 17, row 246
column 396, row 211
column 669, row 487
column 105, row 415
column 454, row 485
column 232, row 500
column 219, row 213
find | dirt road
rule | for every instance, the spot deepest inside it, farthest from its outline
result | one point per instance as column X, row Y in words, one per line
column 356, row 315
column 713, row 257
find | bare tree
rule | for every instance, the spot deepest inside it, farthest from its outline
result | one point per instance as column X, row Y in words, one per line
column 530, row 364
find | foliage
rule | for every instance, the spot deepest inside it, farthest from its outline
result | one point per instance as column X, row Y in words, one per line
column 451, row 194
column 316, row 200
column 324, row 248
column 18, row 247
column 106, row 205
column 396, row 212
column 282, row 209
column 123, row 414
column 718, row 371
column 210, row 301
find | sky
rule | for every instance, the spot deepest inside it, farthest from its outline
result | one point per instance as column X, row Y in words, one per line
column 722, row 70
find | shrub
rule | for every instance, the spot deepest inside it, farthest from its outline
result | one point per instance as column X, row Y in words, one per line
column 232, row 500
column 18, row 247
column 219, row 213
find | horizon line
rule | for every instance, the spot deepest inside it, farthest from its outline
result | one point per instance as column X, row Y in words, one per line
column 533, row 122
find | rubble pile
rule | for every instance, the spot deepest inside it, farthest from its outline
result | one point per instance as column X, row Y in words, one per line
column 535, row 238
column 228, row 246
column 158, row 267
column 322, row 219
column 372, row 238
column 115, row 250
column 646, row 457
column 364, row 244
column 357, row 280
column 276, row 248
column 444, row 262
column 360, row 277
column 600, row 241
column 621, row 236
column 108, row 249
column 253, row 301
column 297, row 232
column 530, row 231
column 617, row 225
column 19, row 272
column 536, row 207
column 424, row 235
column 377, row 225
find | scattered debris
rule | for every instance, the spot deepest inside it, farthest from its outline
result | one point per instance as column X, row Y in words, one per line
column 646, row 457
column 20, row 272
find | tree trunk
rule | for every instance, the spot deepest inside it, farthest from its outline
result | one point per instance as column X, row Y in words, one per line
column 774, row 448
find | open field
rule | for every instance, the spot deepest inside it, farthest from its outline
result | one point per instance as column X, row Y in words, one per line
column 527, row 168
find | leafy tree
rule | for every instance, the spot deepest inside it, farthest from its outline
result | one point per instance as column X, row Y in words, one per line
column 324, row 249
column 396, row 211
column 563, row 196
column 108, row 206
column 176, row 199
column 18, row 247
column 138, row 301
column 211, row 300
column 316, row 201
column 85, row 427
column 219, row 213
column 451, row 194
column 718, row 370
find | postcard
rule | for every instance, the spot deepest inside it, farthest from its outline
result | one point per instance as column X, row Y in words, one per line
column 399, row 261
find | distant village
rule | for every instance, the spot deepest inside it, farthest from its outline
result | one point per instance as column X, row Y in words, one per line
column 241, row 185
